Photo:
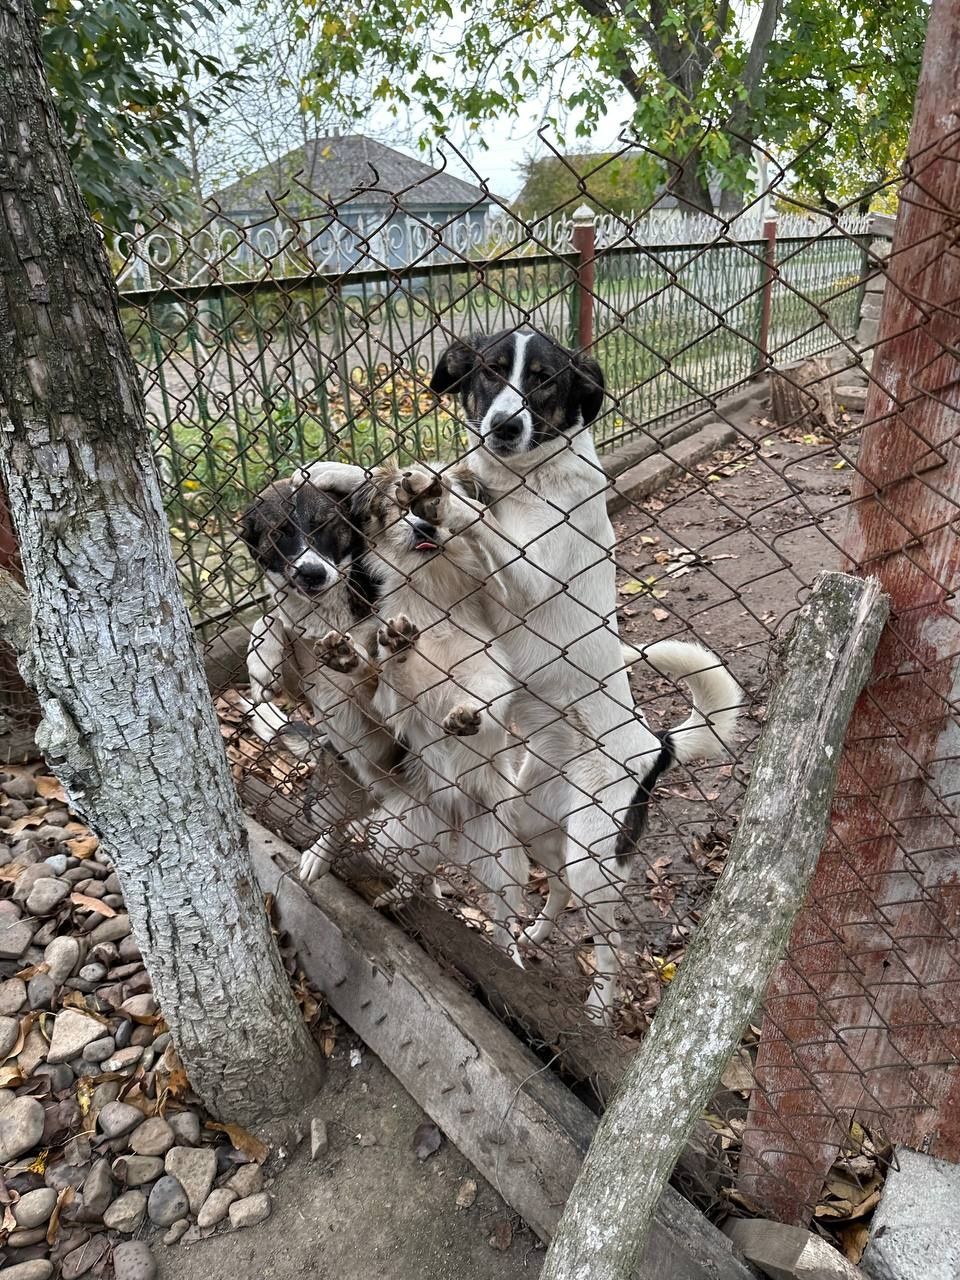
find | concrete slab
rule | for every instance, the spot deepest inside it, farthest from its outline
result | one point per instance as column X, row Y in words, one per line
column 915, row 1233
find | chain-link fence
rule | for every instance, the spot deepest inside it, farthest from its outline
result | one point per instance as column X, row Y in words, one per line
column 437, row 701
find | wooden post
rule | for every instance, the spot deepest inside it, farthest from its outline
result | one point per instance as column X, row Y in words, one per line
column 585, row 246
column 861, row 1020
column 766, row 297
column 826, row 662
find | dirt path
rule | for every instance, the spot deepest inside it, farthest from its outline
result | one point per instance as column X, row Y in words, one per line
column 368, row 1207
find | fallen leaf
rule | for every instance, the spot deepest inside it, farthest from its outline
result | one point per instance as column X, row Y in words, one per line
column 92, row 904
column 838, row 466
column 39, row 1164
column 10, row 1077
column 854, row 1239
column 426, row 1140
column 63, row 1199
column 49, row 788
column 467, row 1193
column 502, row 1237
column 11, row 871
column 83, row 846
column 251, row 1147
column 738, row 1073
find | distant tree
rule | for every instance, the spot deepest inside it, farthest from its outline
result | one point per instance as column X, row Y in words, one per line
column 606, row 180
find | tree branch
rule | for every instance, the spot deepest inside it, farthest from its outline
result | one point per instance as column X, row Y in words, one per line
column 15, row 613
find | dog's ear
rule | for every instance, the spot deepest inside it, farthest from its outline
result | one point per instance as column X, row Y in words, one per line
column 588, row 386
column 250, row 523
column 457, row 362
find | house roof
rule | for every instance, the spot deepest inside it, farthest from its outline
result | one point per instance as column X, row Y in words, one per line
column 353, row 168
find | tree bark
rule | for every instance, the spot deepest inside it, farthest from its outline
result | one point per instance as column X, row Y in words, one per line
column 826, row 662
column 128, row 723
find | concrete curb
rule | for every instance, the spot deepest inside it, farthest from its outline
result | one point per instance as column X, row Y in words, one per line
column 654, row 472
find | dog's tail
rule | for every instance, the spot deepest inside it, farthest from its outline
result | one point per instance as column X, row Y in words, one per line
column 711, row 726
column 708, row 730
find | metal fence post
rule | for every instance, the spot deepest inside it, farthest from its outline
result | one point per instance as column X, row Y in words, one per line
column 860, row 1023
column 585, row 246
column 766, row 297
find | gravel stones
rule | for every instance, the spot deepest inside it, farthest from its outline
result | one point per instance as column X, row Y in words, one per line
column 99, row 1050
column 137, row 1170
column 21, row 1127
column 168, row 1202
column 82, row 1260
column 111, row 930
column 35, row 1207
column 249, row 1211
column 177, row 1231
column 133, row 1261
column 61, row 957
column 72, row 1032
column 216, row 1207
column 47, row 895
column 98, row 1188
column 38, row 1269
column 247, row 1180
column 15, row 934
column 127, row 1213
column 118, row 1118
column 153, row 1138
column 185, row 1126
column 13, row 996
column 194, row 1168
column 9, row 1030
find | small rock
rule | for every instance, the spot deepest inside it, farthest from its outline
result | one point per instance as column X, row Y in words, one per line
column 216, row 1207
column 98, row 1188
column 319, row 1142
column 111, row 930
column 47, row 895
column 168, row 1201
column 19, row 787
column 27, row 878
column 99, row 1050
column 123, row 1033
column 192, row 1235
column 123, row 1059
column 136, row 1170
column 59, row 1075
column 127, row 1213
column 118, row 1118
column 177, row 1230
column 44, row 936
column 57, row 862
column 13, row 996
column 106, row 954
column 133, row 1261
column 38, row 1269
column 24, row 1239
column 128, row 949
column 185, row 1125
column 249, row 1211
column 104, row 1093
column 247, row 1180
column 154, row 1138
column 81, row 1261
column 142, row 1036
column 15, row 934
column 194, row 1168
column 41, row 991
column 77, row 1150
column 21, row 1127
column 142, row 1006
column 72, row 1032
column 9, row 1030
column 92, row 973
column 61, row 957
column 35, row 1207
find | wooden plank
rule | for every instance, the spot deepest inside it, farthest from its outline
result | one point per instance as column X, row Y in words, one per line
column 521, row 1128
column 825, row 664
column 862, row 1020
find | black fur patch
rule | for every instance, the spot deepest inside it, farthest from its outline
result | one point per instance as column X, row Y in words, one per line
column 635, row 820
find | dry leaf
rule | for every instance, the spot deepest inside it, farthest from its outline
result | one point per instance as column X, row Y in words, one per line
column 502, row 1237
column 84, row 846
column 92, row 904
column 10, row 1077
column 50, row 788
column 39, row 1164
column 854, row 1239
column 426, row 1140
column 11, row 871
column 63, row 1199
column 251, row 1147
column 467, row 1193
column 738, row 1073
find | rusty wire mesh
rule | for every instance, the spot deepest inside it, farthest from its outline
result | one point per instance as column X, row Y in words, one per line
column 311, row 333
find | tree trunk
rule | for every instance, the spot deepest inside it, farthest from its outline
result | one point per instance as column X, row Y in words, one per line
column 128, row 723
column 802, row 397
column 826, row 662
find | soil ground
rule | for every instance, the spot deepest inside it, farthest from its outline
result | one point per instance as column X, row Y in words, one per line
column 368, row 1209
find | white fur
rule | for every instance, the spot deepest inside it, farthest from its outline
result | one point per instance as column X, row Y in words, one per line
column 508, row 401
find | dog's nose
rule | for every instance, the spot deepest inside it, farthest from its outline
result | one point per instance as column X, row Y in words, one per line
column 311, row 573
column 508, row 426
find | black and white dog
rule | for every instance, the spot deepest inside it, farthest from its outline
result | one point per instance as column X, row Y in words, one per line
column 303, row 535
column 591, row 760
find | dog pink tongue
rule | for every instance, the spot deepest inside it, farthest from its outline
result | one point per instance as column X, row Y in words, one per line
column 426, row 546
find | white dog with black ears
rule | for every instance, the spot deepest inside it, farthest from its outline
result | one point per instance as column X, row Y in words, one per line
column 591, row 760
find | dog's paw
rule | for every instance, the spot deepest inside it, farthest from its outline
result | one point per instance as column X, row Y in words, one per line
column 421, row 492
column 462, row 722
column 398, row 637
column 337, row 651
column 314, row 862
column 395, row 897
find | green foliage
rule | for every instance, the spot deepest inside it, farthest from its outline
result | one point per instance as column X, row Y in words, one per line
column 609, row 182
column 832, row 80
column 123, row 76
